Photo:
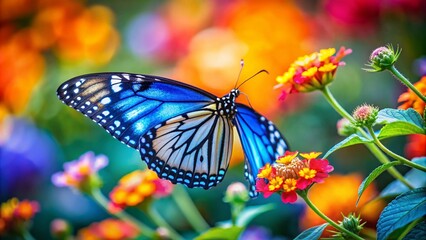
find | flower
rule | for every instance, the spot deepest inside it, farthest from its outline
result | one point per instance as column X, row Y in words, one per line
column 236, row 193
column 289, row 173
column 365, row 115
column 340, row 192
column 15, row 215
column 312, row 72
column 34, row 159
column 60, row 229
column 109, row 229
column 345, row 127
column 81, row 174
column 136, row 187
column 383, row 58
column 415, row 146
column 410, row 100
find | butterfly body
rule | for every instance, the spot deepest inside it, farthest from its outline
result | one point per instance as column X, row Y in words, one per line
column 183, row 133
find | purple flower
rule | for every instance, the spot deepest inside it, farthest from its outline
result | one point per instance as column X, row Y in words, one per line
column 27, row 156
column 81, row 173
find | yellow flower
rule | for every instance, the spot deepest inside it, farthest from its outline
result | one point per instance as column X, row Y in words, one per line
column 312, row 72
column 287, row 158
column 265, row 172
column 310, row 155
column 275, row 183
column 289, row 185
column 307, row 173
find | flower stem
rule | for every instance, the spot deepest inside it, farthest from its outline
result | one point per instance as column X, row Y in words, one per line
column 373, row 148
column 26, row 235
column 304, row 195
column 102, row 201
column 159, row 221
column 407, row 83
column 188, row 209
column 401, row 159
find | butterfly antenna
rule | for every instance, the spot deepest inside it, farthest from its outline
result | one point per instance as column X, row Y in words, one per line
column 239, row 74
column 261, row 71
column 248, row 99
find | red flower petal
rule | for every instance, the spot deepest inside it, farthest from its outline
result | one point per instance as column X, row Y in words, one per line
column 289, row 197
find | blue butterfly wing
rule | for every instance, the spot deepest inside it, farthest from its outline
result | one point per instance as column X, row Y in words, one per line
column 128, row 105
column 193, row 148
column 262, row 142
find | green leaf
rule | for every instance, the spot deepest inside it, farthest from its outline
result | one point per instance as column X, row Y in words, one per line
column 415, row 177
column 249, row 213
column 221, row 233
column 350, row 140
column 404, row 209
column 400, row 122
column 373, row 175
column 312, row 233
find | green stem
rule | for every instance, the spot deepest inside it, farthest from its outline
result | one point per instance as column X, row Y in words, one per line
column 373, row 148
column 159, row 221
column 102, row 201
column 409, row 227
column 304, row 195
column 189, row 210
column 401, row 159
column 26, row 235
column 407, row 83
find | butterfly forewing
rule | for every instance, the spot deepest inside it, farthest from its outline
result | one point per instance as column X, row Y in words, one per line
column 192, row 148
column 262, row 142
column 128, row 105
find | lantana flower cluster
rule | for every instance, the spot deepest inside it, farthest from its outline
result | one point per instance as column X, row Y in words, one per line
column 289, row 173
column 111, row 229
column 15, row 214
column 312, row 72
column 136, row 187
column 81, row 174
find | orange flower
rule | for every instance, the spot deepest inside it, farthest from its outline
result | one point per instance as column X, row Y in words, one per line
column 15, row 214
column 22, row 67
column 410, row 100
column 312, row 72
column 339, row 193
column 136, row 187
column 109, row 229
column 415, row 146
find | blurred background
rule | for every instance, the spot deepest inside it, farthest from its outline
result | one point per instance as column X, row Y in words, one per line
column 45, row 42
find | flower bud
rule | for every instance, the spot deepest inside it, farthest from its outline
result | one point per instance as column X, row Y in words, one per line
column 365, row 115
column 60, row 229
column 236, row 193
column 351, row 223
column 383, row 58
column 345, row 127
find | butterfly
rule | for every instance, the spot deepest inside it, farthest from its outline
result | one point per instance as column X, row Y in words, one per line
column 183, row 133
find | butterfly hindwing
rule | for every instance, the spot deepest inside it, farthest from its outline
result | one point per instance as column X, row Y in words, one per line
column 193, row 148
column 128, row 105
column 262, row 142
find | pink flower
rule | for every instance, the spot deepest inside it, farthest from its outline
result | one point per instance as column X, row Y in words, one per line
column 81, row 173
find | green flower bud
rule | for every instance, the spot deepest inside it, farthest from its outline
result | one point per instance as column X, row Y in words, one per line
column 351, row 223
column 60, row 229
column 365, row 115
column 383, row 58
